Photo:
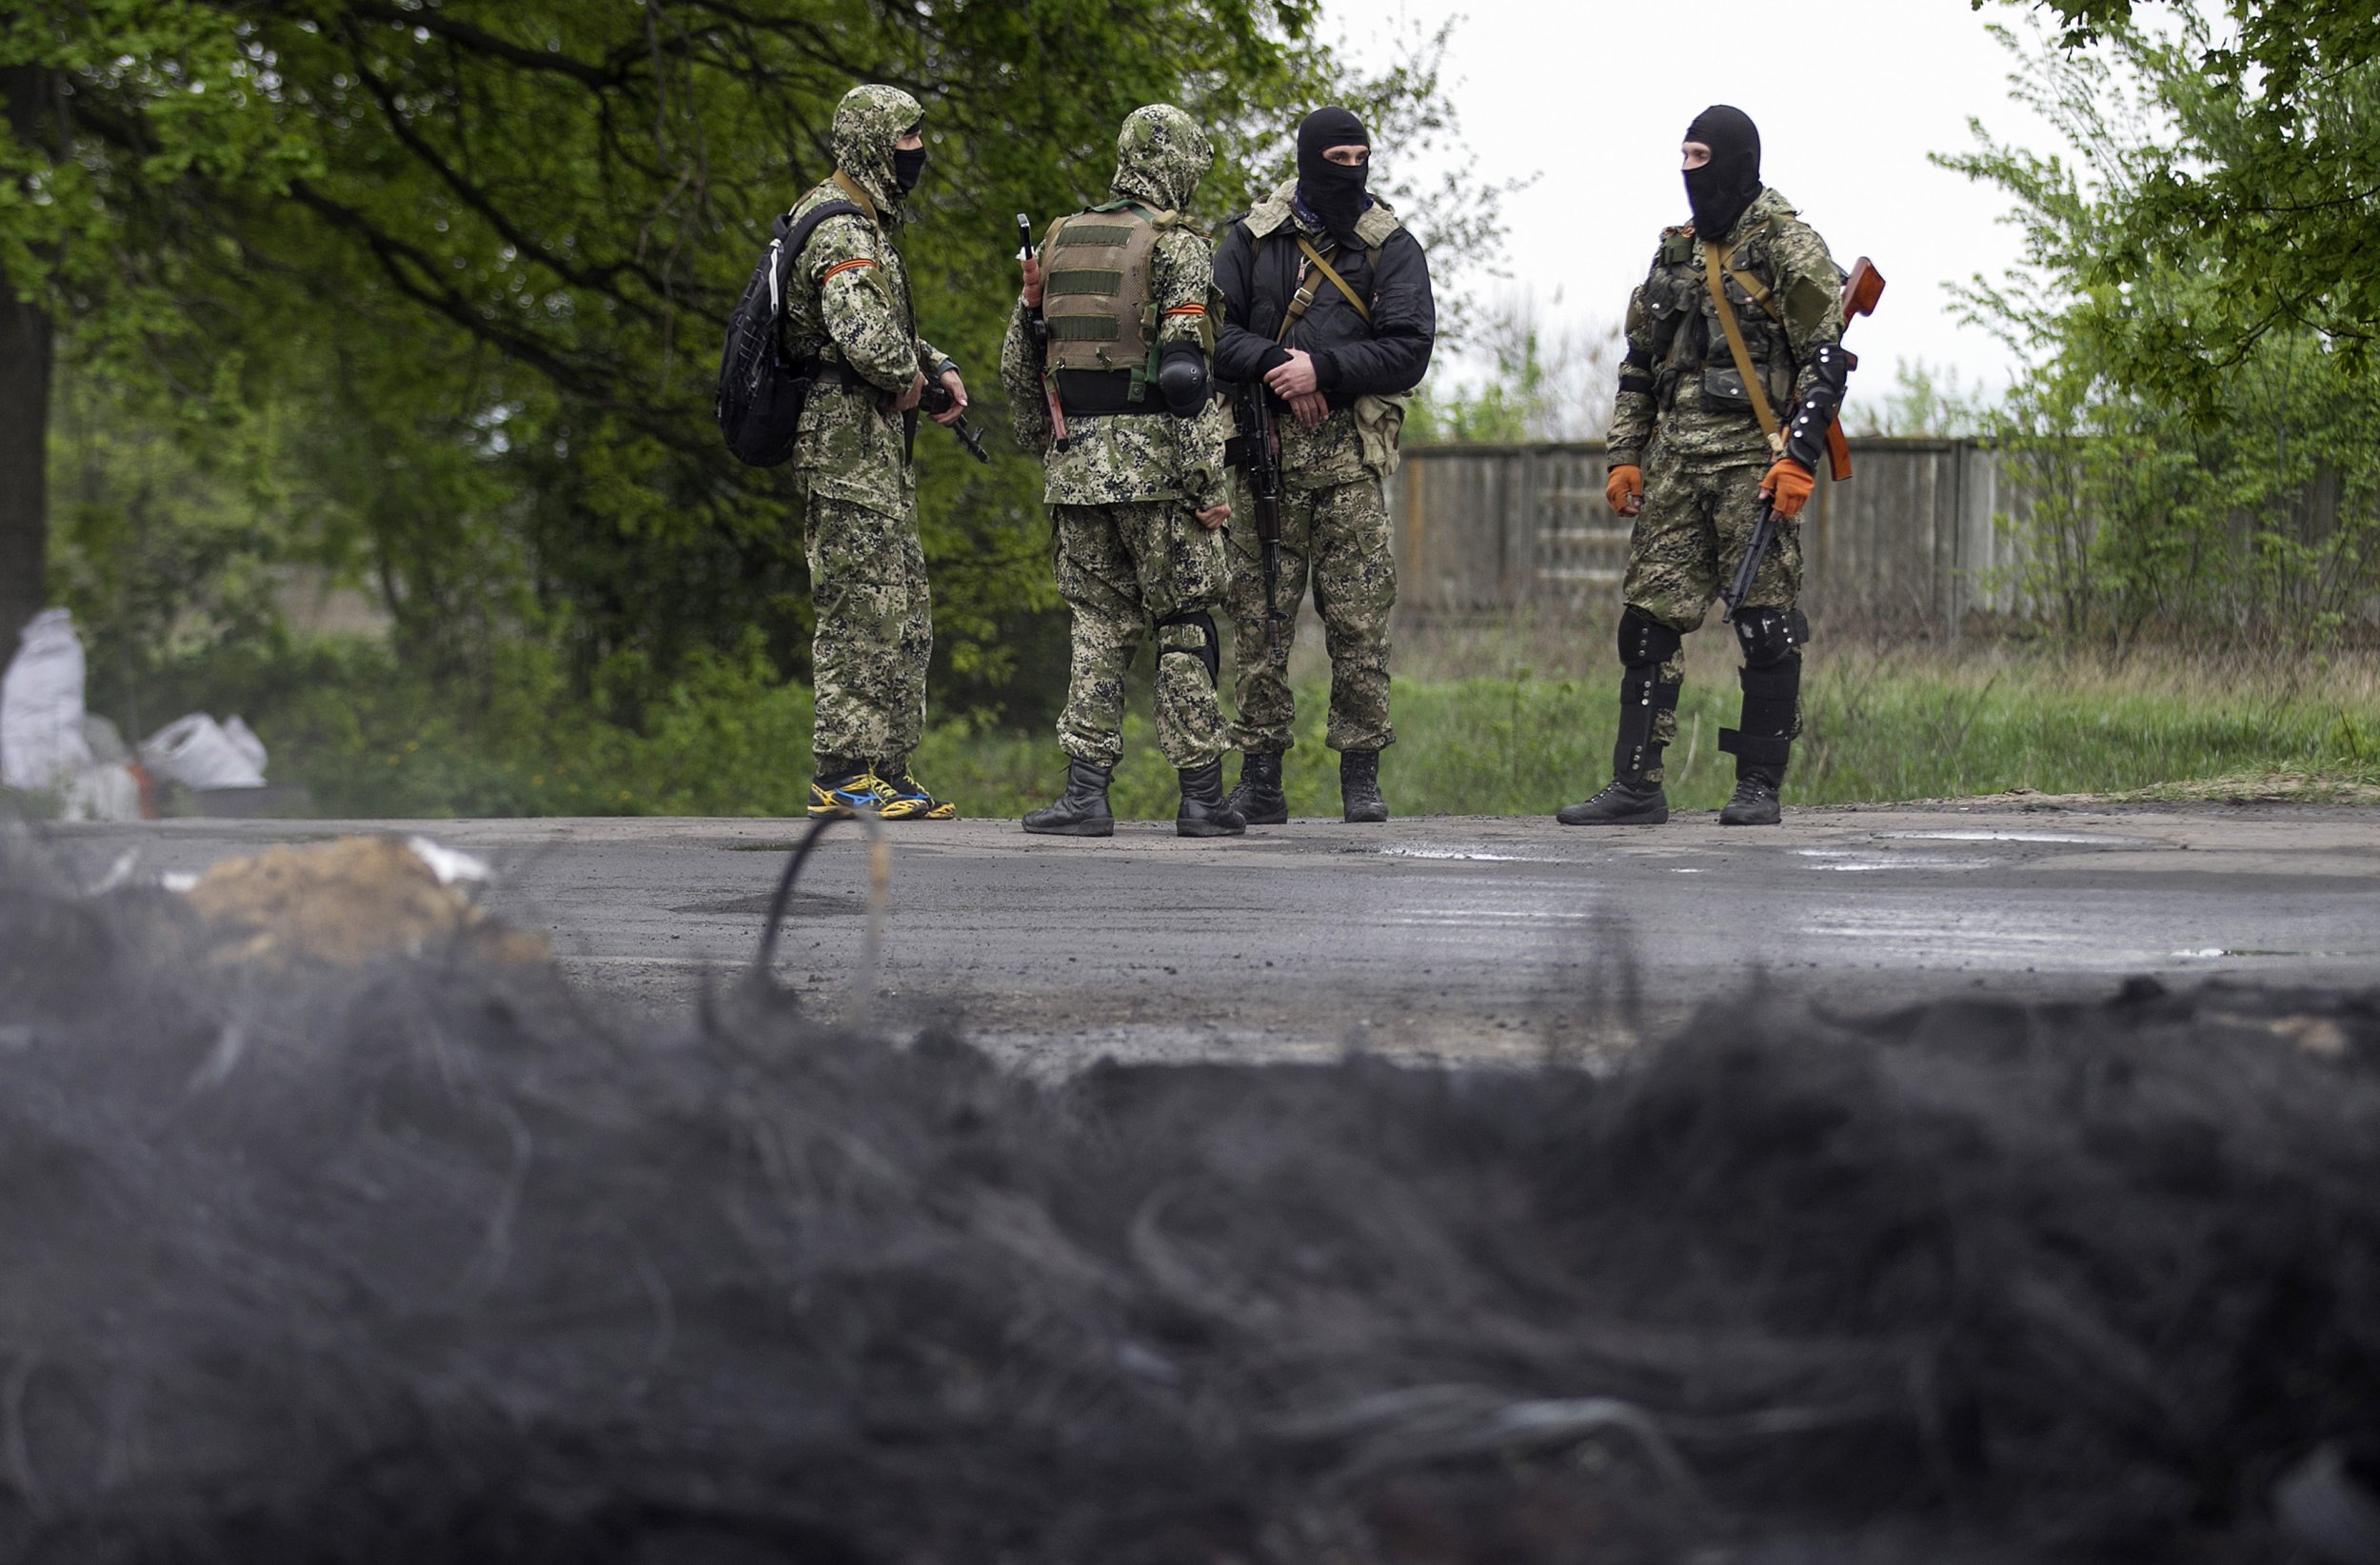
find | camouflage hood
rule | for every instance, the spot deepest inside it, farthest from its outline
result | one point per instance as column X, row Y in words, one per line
column 1160, row 156
column 868, row 121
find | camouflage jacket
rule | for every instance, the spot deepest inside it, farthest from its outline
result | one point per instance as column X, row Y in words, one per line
column 850, row 304
column 1160, row 156
column 1678, row 378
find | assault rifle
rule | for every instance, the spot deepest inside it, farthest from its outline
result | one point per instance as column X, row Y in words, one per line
column 936, row 399
column 1255, row 452
column 1038, row 323
column 1861, row 290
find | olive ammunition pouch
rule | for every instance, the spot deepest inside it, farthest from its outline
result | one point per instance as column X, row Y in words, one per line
column 1193, row 633
column 1099, row 297
column 1773, row 639
column 1647, row 693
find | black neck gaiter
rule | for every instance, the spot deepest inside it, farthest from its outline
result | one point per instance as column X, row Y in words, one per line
column 1721, row 189
column 908, row 167
column 1332, row 191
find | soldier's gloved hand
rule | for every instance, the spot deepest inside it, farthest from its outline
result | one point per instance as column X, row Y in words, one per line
column 1786, row 486
column 1213, row 516
column 908, row 399
column 1625, row 488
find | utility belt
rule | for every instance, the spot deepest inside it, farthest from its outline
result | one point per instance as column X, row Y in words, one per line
column 1106, row 393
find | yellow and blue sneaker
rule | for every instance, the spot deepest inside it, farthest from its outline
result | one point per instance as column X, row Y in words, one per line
column 906, row 800
column 841, row 799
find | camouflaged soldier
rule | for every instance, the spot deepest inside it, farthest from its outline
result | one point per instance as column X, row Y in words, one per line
column 849, row 311
column 1136, row 487
column 1690, row 461
column 1326, row 299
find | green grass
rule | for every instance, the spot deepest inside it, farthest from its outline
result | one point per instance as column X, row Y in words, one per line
column 1872, row 731
column 1880, row 724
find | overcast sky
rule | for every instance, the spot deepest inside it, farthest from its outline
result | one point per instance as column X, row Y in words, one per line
column 1849, row 96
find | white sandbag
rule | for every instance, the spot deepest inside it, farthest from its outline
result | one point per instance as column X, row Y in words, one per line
column 103, row 793
column 244, row 740
column 195, row 752
column 41, row 705
column 106, row 741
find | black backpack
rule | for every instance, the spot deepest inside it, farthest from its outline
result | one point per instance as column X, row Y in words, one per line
column 761, row 392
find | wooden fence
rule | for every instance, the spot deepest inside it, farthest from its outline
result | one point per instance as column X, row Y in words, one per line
column 1909, row 543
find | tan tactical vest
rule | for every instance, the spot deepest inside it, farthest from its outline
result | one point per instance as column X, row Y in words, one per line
column 1099, row 292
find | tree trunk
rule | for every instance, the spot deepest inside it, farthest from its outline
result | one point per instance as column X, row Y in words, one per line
column 26, row 358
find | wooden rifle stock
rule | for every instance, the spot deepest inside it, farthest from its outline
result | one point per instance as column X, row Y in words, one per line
column 1861, row 290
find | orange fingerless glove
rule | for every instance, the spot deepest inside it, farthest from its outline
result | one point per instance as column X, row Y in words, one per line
column 1625, row 488
column 1788, row 485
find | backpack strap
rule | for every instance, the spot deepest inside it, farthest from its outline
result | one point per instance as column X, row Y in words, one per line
column 789, row 249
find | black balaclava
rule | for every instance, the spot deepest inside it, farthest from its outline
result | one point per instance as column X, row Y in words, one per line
column 1331, row 192
column 908, row 167
column 1721, row 188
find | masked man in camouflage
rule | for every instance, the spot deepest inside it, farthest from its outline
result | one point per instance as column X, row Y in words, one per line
column 1327, row 302
column 1693, row 458
column 849, row 309
column 1136, row 487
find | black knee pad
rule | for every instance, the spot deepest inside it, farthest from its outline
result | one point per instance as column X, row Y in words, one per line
column 1210, row 648
column 1771, row 635
column 1644, row 639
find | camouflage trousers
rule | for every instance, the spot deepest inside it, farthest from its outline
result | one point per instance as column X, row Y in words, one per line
column 874, row 630
column 1337, row 538
column 1696, row 523
column 1122, row 568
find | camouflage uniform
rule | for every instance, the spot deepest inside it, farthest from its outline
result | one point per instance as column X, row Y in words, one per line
column 1335, row 534
column 1129, row 553
column 1692, row 429
column 852, row 470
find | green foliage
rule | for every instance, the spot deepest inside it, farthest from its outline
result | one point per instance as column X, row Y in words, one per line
column 478, row 254
column 2266, row 182
column 2255, row 514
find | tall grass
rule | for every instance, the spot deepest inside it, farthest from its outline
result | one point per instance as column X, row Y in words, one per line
column 1511, row 718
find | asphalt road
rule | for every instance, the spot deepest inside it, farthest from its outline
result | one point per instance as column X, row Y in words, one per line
column 1445, row 937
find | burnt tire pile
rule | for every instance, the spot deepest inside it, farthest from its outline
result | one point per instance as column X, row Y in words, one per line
column 427, row 1261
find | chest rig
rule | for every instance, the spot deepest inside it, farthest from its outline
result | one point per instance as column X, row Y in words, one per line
column 1688, row 340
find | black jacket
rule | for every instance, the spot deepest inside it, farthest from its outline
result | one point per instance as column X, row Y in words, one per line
column 1258, row 277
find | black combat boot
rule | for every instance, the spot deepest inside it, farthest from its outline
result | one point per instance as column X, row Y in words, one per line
column 1258, row 798
column 1360, row 788
column 1204, row 812
column 1635, row 797
column 1083, row 810
column 1625, row 802
column 1755, row 804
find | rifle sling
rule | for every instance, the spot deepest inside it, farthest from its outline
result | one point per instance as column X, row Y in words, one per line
column 1338, row 282
column 1743, row 355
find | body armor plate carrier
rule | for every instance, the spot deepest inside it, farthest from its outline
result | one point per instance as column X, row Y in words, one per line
column 1099, row 295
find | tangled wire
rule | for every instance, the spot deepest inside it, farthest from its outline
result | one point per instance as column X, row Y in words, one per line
column 433, row 1261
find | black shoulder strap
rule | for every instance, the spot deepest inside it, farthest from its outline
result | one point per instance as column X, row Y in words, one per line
column 799, row 235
